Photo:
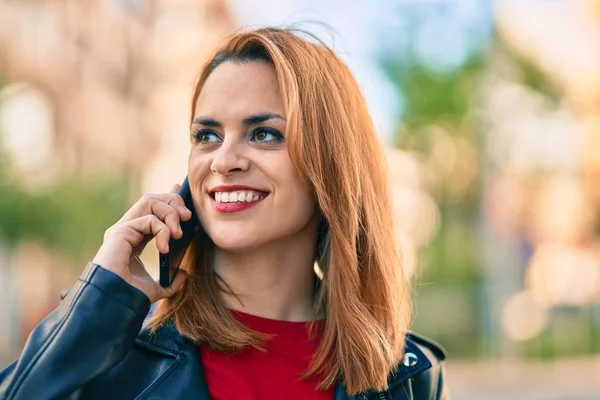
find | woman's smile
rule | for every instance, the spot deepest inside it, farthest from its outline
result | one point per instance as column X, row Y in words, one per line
column 236, row 198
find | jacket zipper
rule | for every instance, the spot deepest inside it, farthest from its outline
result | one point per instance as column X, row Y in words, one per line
column 381, row 396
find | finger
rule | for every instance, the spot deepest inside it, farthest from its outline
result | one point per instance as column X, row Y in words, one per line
column 150, row 225
column 169, row 215
column 163, row 211
column 178, row 202
column 180, row 278
column 175, row 188
column 172, row 199
column 175, row 200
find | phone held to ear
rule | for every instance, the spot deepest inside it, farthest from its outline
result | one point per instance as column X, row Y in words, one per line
column 169, row 263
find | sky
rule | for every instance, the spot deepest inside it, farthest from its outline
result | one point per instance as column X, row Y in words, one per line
column 442, row 32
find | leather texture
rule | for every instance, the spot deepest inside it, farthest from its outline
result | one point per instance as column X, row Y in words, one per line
column 92, row 346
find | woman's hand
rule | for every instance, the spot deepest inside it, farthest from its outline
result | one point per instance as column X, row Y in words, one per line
column 152, row 216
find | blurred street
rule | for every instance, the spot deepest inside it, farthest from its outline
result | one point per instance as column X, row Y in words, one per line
column 575, row 379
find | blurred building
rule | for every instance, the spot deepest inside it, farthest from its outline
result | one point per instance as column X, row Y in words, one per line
column 94, row 87
column 115, row 78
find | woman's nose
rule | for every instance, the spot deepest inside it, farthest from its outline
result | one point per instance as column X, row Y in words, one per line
column 228, row 159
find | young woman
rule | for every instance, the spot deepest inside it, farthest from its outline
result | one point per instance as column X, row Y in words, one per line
column 285, row 171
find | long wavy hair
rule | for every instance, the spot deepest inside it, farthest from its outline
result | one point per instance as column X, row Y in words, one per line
column 333, row 144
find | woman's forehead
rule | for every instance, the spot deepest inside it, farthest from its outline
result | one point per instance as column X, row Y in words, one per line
column 240, row 89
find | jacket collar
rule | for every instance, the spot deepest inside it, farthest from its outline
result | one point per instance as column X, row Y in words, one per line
column 169, row 342
column 413, row 363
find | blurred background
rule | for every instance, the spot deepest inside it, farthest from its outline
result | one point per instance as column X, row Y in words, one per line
column 491, row 113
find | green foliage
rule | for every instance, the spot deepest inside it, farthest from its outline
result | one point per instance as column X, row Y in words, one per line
column 432, row 97
column 450, row 269
column 71, row 216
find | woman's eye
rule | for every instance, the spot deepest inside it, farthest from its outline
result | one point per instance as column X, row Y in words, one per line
column 206, row 137
column 265, row 135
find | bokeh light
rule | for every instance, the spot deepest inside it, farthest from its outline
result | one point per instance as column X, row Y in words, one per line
column 523, row 317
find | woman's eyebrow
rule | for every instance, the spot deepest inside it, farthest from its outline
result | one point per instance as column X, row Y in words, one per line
column 260, row 118
column 249, row 120
column 213, row 123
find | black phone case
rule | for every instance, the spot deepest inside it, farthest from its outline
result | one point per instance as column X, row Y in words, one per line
column 169, row 263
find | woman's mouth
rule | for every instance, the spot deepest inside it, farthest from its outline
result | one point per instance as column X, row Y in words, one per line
column 239, row 196
column 227, row 202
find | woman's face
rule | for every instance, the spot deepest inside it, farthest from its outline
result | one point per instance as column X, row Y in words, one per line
column 246, row 190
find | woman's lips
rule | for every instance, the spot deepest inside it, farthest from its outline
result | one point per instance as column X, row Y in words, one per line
column 229, row 208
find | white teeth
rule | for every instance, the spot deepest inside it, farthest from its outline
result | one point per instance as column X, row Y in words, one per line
column 240, row 196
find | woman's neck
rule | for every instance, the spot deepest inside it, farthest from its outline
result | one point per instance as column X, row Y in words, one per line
column 276, row 281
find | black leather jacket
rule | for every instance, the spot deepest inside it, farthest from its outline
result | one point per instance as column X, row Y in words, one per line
column 92, row 347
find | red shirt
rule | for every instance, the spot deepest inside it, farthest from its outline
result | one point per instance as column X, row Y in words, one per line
column 274, row 374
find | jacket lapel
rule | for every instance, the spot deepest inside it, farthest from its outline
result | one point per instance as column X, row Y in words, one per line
column 168, row 342
column 413, row 363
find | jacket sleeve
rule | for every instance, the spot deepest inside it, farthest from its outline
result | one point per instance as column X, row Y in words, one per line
column 90, row 331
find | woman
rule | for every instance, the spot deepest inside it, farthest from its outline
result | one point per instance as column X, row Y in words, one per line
column 285, row 170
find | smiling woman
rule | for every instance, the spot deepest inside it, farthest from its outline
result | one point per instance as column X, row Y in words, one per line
column 285, row 171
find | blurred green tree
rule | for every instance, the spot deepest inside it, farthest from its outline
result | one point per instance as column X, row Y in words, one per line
column 69, row 216
column 451, row 260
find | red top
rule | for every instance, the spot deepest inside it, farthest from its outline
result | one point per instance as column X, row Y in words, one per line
column 274, row 374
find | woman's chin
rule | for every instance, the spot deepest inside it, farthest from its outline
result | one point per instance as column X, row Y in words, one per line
column 236, row 243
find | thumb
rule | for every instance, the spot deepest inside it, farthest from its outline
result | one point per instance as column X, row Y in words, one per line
column 175, row 188
column 180, row 277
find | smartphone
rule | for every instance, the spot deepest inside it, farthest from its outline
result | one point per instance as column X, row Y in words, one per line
column 169, row 263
